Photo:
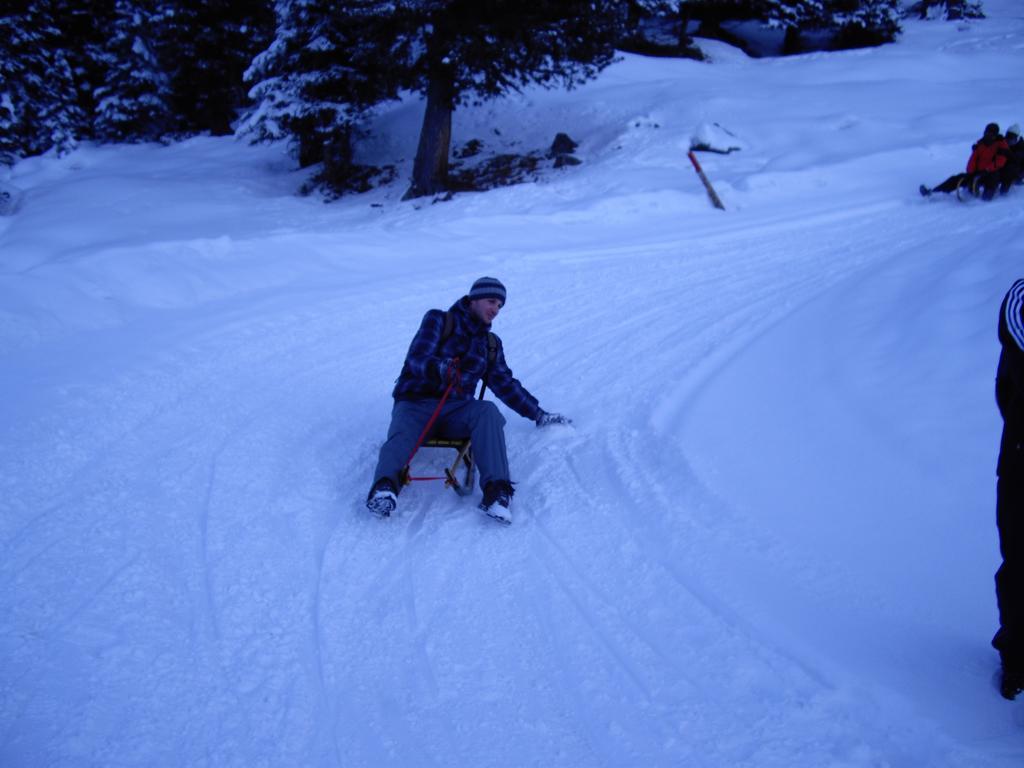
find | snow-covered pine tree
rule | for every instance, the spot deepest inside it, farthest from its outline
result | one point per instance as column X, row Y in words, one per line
column 795, row 17
column 16, row 41
column 84, row 30
column 864, row 22
column 133, row 103
column 680, row 10
column 856, row 23
column 467, row 50
column 38, row 100
column 948, row 9
column 794, row 13
column 207, row 46
column 328, row 63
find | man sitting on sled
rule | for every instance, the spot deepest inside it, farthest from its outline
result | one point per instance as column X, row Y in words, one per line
column 450, row 353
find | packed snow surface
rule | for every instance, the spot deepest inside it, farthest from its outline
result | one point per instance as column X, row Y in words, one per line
column 767, row 540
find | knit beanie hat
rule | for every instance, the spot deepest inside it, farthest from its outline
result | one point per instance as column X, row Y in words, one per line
column 992, row 129
column 487, row 288
column 1014, row 129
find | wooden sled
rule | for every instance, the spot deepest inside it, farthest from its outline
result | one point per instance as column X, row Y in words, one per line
column 463, row 467
column 966, row 190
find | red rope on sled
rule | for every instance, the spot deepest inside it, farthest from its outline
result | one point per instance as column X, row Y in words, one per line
column 453, row 378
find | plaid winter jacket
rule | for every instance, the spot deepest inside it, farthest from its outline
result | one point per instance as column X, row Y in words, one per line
column 421, row 377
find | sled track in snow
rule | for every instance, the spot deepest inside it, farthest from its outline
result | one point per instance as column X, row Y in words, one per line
column 223, row 477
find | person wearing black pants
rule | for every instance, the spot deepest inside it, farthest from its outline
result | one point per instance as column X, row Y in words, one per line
column 1009, row 639
column 984, row 167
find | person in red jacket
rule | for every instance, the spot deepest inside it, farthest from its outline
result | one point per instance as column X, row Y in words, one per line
column 984, row 167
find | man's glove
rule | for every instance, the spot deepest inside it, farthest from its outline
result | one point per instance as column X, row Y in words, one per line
column 545, row 419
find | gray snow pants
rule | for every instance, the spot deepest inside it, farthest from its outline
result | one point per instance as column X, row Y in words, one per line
column 479, row 420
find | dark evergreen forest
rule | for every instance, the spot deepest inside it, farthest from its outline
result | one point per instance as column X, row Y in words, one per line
column 309, row 72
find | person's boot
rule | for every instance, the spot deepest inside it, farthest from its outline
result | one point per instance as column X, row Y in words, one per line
column 1012, row 682
column 383, row 498
column 497, row 501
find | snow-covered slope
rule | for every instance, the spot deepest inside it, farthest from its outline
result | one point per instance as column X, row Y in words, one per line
column 768, row 539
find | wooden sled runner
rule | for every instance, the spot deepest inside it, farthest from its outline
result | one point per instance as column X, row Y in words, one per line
column 460, row 476
column 965, row 190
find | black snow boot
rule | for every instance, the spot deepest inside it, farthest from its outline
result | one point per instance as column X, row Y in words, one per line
column 1012, row 682
column 383, row 498
column 497, row 501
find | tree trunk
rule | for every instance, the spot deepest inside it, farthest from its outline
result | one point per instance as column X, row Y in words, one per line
column 684, row 40
column 311, row 150
column 792, row 43
column 430, row 169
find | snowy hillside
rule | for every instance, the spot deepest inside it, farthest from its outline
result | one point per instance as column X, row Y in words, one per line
column 768, row 540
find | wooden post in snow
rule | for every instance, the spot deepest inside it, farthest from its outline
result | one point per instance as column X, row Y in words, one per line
column 715, row 201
